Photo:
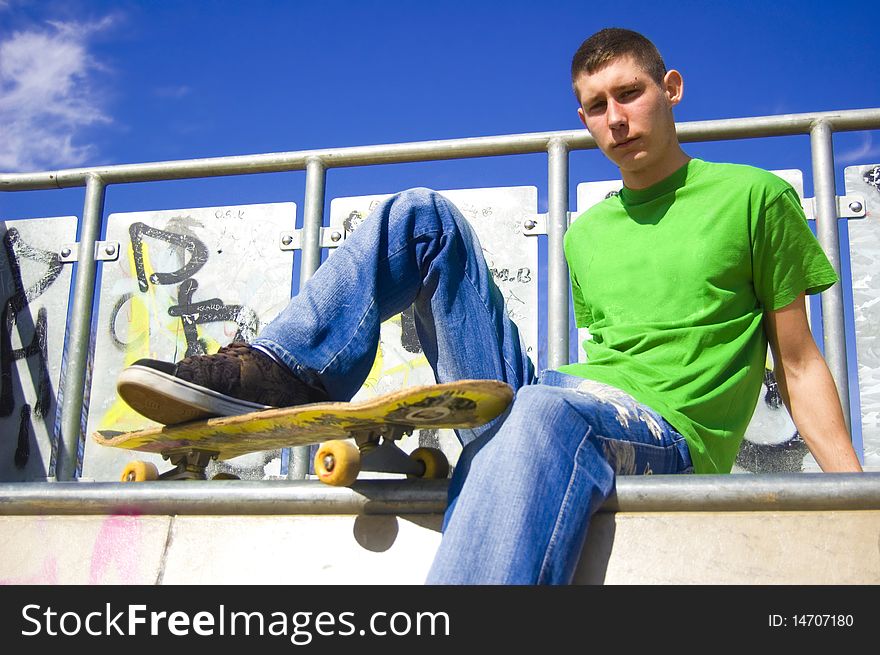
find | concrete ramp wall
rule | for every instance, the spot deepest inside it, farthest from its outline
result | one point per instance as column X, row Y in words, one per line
column 797, row 529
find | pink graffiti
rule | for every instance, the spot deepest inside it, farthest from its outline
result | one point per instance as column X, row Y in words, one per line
column 117, row 547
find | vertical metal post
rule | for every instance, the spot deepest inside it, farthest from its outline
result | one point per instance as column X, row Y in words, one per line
column 557, row 268
column 79, row 333
column 822, row 151
column 313, row 220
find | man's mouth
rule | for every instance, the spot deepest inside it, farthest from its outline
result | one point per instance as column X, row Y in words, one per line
column 623, row 144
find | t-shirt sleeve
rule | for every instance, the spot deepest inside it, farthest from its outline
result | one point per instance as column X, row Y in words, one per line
column 786, row 257
column 582, row 315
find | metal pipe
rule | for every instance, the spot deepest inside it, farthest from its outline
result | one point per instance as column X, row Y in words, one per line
column 557, row 268
column 822, row 150
column 76, row 355
column 650, row 493
column 731, row 128
column 313, row 220
column 746, row 493
column 230, row 497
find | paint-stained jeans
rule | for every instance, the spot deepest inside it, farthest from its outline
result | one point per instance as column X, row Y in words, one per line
column 520, row 502
column 527, row 484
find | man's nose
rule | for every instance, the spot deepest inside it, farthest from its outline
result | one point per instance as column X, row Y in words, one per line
column 616, row 115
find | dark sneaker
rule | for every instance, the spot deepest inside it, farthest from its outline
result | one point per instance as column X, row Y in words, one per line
column 236, row 380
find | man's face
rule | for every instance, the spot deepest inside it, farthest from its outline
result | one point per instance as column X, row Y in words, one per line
column 630, row 116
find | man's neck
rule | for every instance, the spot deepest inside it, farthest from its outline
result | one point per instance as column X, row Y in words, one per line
column 642, row 179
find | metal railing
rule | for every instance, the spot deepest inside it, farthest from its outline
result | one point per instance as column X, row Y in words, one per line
column 814, row 492
column 820, row 126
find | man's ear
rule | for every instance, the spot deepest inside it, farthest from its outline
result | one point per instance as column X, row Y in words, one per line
column 673, row 86
column 583, row 117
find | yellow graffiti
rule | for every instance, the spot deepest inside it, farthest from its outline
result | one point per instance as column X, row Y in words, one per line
column 142, row 307
column 401, row 371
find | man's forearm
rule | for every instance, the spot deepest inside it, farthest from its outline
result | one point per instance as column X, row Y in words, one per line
column 811, row 397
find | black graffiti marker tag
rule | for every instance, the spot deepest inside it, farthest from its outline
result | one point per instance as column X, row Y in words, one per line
column 209, row 311
column 198, row 254
column 872, row 177
column 16, row 250
column 23, row 450
column 13, row 311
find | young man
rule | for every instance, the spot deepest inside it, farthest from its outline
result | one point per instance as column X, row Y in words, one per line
column 682, row 279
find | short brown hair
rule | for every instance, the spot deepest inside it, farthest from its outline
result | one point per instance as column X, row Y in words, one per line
column 614, row 42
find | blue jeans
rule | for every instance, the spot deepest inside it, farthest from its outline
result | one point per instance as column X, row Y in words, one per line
column 526, row 484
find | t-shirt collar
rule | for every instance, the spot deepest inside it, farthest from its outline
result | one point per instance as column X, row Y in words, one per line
column 668, row 184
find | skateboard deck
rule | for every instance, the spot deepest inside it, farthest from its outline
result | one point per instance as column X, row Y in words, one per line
column 461, row 404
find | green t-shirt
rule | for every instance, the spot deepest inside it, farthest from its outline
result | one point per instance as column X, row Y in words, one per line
column 672, row 282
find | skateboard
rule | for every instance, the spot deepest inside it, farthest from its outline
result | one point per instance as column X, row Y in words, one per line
column 374, row 425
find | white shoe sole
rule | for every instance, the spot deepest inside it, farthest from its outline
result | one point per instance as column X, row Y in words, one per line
column 169, row 400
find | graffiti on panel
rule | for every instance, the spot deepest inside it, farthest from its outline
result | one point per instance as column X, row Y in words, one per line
column 144, row 321
column 15, row 316
column 191, row 312
column 186, row 282
column 872, row 177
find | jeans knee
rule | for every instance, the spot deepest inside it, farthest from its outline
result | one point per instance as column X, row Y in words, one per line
column 533, row 396
column 539, row 407
column 418, row 198
column 428, row 205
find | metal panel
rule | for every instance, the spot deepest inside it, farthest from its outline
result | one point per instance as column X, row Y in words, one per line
column 35, row 293
column 188, row 281
column 771, row 442
column 497, row 216
column 864, row 243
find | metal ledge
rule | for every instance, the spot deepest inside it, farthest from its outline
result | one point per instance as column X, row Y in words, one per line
column 697, row 493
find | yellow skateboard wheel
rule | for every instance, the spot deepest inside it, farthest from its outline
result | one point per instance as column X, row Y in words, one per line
column 435, row 462
column 337, row 463
column 139, row 471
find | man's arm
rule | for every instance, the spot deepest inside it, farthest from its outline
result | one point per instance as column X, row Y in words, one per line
column 808, row 389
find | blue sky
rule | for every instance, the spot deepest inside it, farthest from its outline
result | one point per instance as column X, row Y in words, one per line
column 95, row 82
column 88, row 82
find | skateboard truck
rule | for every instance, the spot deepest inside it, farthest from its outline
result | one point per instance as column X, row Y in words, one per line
column 188, row 465
column 386, row 457
column 339, row 462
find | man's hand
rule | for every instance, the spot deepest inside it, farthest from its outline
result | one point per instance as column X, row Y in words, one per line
column 808, row 389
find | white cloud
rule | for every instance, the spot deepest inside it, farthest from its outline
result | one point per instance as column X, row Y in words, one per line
column 865, row 153
column 47, row 96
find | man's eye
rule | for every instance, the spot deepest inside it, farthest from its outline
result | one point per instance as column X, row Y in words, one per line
column 597, row 108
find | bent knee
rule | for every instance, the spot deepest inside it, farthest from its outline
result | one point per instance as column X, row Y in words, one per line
column 419, row 197
column 534, row 395
column 430, row 210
